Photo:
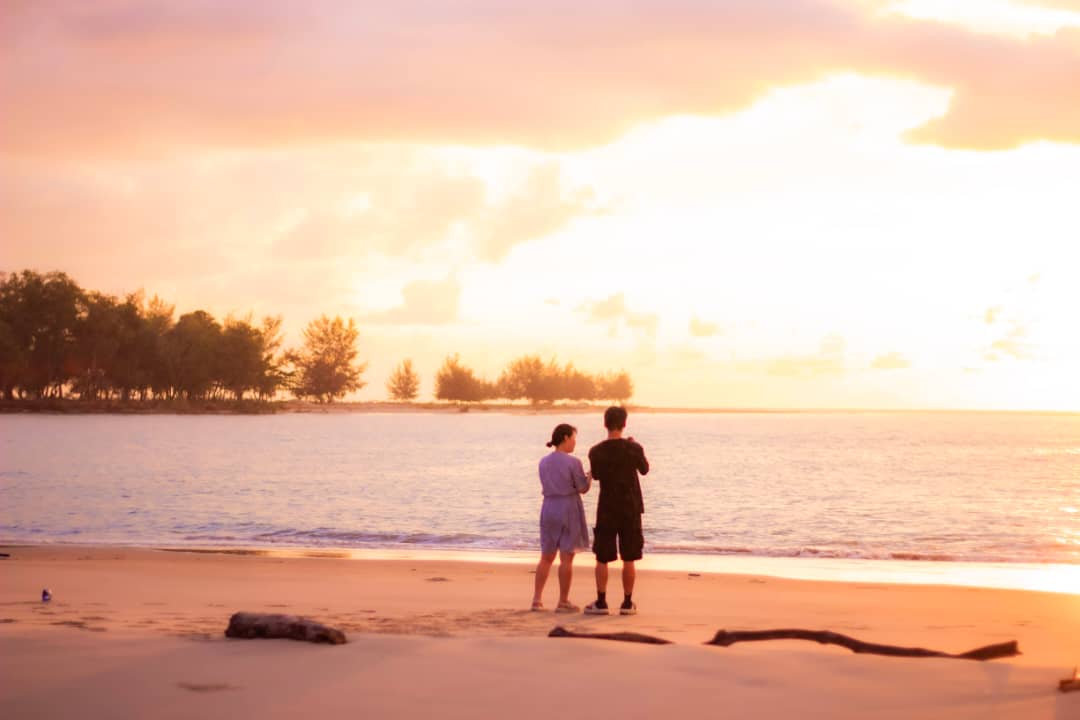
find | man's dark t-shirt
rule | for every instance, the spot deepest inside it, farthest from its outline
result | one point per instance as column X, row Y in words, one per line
column 615, row 464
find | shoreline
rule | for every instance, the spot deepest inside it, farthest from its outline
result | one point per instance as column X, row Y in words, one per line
column 1028, row 577
column 139, row 633
column 67, row 406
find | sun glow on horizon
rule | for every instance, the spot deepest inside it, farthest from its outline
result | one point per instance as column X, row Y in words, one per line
column 1005, row 17
column 887, row 220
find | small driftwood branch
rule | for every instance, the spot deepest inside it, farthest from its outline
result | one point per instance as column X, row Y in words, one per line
column 989, row 652
column 561, row 632
column 262, row 625
column 1070, row 684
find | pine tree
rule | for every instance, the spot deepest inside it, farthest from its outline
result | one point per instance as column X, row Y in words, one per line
column 404, row 383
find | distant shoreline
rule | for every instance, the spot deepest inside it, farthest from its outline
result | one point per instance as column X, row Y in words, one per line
column 65, row 406
column 1061, row 578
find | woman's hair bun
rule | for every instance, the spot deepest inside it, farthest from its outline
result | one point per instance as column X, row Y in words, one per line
column 560, row 433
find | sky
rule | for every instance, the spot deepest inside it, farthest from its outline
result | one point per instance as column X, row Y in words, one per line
column 753, row 203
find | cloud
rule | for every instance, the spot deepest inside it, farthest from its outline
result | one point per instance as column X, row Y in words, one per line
column 126, row 78
column 613, row 310
column 829, row 360
column 397, row 214
column 701, row 328
column 890, row 361
column 539, row 208
column 424, row 302
column 1052, row 4
column 1011, row 345
column 991, row 315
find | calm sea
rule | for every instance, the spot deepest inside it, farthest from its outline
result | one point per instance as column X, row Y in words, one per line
column 884, row 486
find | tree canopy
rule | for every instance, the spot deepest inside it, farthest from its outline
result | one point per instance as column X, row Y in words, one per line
column 58, row 339
column 326, row 365
column 403, row 384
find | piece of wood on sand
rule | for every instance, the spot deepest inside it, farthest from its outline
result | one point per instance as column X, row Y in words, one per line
column 561, row 632
column 291, row 627
column 1070, row 684
column 725, row 638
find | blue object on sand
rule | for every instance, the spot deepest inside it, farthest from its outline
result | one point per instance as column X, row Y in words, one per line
column 46, row 596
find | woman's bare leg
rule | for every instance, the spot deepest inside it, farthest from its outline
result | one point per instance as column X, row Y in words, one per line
column 542, row 569
column 566, row 575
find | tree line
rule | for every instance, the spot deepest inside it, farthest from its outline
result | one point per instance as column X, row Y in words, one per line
column 526, row 378
column 59, row 340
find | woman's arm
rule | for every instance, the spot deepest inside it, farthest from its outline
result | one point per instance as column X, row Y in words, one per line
column 582, row 480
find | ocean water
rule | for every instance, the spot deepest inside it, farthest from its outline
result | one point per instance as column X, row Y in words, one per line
column 963, row 487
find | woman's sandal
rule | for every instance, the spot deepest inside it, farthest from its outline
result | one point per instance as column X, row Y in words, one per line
column 537, row 607
column 567, row 608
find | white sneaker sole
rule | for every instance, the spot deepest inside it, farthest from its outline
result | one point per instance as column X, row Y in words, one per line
column 597, row 611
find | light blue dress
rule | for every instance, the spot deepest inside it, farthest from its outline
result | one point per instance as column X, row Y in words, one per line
column 562, row 517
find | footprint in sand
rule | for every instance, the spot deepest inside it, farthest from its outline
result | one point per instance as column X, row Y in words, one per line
column 206, row 687
column 438, row 579
column 78, row 624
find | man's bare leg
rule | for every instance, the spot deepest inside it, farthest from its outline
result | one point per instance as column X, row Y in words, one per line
column 601, row 577
column 599, row 607
column 629, row 575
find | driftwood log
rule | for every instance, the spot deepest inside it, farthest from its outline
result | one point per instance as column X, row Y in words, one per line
column 291, row 627
column 725, row 638
column 561, row 632
column 1070, row 684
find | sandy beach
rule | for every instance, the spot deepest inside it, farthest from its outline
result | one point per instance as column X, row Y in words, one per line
column 139, row 633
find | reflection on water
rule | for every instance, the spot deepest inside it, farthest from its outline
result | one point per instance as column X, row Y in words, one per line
column 989, row 488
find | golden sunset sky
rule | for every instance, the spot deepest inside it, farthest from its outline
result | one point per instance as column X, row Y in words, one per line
column 793, row 203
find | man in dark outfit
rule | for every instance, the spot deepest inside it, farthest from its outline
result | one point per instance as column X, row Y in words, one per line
column 615, row 464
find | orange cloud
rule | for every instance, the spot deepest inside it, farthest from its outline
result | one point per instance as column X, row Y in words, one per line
column 829, row 360
column 613, row 310
column 701, row 328
column 424, row 302
column 890, row 361
column 1012, row 345
column 403, row 213
column 539, row 208
column 1053, row 4
column 160, row 76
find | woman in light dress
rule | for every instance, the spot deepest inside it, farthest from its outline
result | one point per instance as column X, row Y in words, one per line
column 563, row 527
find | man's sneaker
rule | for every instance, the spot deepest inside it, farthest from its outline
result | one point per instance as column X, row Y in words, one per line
column 595, row 608
column 628, row 609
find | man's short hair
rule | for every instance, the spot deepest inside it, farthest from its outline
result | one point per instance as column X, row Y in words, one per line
column 615, row 418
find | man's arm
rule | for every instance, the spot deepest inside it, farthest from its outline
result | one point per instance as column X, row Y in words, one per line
column 594, row 472
column 642, row 461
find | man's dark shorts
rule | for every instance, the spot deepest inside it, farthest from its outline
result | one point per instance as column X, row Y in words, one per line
column 625, row 534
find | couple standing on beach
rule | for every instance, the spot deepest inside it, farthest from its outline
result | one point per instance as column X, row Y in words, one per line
column 615, row 464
